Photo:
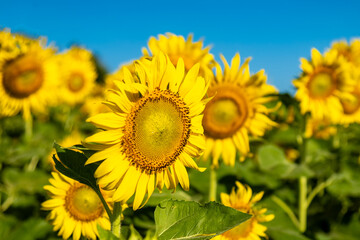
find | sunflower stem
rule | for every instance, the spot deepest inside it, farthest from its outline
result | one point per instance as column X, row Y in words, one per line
column 107, row 209
column 286, row 209
column 213, row 184
column 28, row 128
column 116, row 220
column 303, row 203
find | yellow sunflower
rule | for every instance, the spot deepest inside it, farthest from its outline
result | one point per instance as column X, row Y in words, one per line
column 75, row 208
column 28, row 78
column 320, row 128
column 243, row 201
column 78, row 75
column 324, row 81
column 351, row 105
column 153, row 131
column 236, row 110
column 8, row 46
column 351, row 52
column 177, row 47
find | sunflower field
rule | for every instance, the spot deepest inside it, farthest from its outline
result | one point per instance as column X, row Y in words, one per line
column 176, row 145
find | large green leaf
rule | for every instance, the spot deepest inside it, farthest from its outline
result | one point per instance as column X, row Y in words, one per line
column 190, row 220
column 72, row 164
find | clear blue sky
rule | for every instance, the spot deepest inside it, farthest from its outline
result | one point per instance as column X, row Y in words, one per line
column 275, row 33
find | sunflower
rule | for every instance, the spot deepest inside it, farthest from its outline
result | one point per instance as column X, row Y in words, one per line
column 243, row 201
column 153, row 130
column 75, row 208
column 7, row 44
column 351, row 52
column 324, row 81
column 78, row 75
column 320, row 128
column 28, row 78
column 177, row 47
column 351, row 105
column 237, row 109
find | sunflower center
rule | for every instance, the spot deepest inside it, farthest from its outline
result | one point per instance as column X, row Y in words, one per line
column 76, row 82
column 22, row 77
column 83, row 203
column 226, row 112
column 157, row 130
column 321, row 85
column 351, row 105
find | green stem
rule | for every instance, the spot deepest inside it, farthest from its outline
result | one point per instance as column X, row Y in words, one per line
column 28, row 128
column 286, row 209
column 213, row 184
column 107, row 209
column 318, row 189
column 116, row 220
column 302, row 203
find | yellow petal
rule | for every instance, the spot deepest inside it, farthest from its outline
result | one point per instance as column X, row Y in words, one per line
column 182, row 175
column 127, row 186
column 140, row 190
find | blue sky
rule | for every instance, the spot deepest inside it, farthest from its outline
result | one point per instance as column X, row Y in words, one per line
column 275, row 33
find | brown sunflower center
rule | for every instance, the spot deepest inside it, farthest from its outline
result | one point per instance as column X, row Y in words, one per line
column 76, row 82
column 226, row 112
column 322, row 83
column 83, row 203
column 22, row 77
column 157, row 129
column 351, row 105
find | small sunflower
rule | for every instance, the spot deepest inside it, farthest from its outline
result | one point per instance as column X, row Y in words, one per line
column 153, row 131
column 324, row 81
column 243, row 201
column 177, row 47
column 8, row 42
column 75, row 208
column 78, row 75
column 28, row 78
column 320, row 128
column 236, row 110
column 351, row 52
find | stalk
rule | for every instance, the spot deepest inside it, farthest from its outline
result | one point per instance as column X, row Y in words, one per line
column 116, row 220
column 213, row 184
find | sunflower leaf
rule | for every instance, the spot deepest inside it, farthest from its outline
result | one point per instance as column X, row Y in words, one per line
column 190, row 220
column 72, row 165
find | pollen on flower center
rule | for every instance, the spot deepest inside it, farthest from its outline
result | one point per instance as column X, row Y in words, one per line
column 83, row 203
column 76, row 82
column 22, row 77
column 157, row 130
column 225, row 113
column 321, row 84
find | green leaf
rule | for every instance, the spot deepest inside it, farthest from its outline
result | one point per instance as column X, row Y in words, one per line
column 272, row 160
column 72, row 165
column 106, row 234
column 158, row 197
column 190, row 220
column 270, row 156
